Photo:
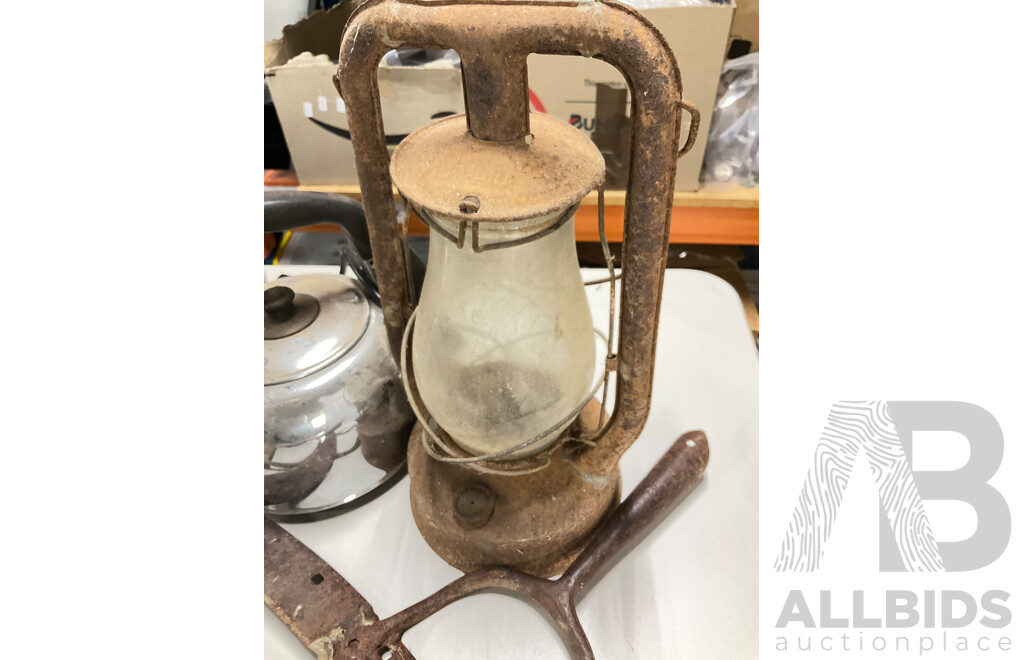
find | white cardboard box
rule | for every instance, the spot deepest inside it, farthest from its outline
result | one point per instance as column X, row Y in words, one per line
column 315, row 122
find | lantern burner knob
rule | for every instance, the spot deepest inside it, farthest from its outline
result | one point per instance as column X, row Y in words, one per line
column 474, row 505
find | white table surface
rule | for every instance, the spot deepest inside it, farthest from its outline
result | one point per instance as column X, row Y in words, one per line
column 688, row 590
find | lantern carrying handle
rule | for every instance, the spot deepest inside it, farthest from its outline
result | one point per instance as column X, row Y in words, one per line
column 493, row 39
column 691, row 135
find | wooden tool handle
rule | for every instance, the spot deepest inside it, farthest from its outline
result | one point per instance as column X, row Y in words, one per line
column 678, row 470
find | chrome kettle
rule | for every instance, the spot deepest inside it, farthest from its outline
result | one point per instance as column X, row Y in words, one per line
column 336, row 420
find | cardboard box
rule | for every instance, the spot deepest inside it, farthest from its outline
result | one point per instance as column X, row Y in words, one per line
column 746, row 24
column 318, row 34
column 299, row 67
column 315, row 123
column 568, row 87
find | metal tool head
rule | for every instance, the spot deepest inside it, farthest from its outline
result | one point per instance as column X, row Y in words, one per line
column 339, row 623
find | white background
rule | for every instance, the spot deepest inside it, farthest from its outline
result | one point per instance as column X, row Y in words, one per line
column 890, row 269
column 891, row 257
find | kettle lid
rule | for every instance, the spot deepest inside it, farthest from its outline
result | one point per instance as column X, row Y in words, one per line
column 309, row 322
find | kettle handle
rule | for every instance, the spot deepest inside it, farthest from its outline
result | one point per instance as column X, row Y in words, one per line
column 290, row 209
column 284, row 210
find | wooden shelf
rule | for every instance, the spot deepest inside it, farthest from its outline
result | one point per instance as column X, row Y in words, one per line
column 718, row 216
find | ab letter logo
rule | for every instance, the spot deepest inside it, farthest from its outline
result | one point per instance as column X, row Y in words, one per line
column 883, row 431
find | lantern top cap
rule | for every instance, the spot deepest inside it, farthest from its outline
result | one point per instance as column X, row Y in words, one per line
column 441, row 165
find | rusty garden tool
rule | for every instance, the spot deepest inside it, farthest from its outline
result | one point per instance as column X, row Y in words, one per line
column 330, row 617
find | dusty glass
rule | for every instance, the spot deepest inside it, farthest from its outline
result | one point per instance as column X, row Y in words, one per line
column 503, row 345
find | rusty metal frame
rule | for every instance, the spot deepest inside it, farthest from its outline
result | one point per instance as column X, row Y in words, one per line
column 493, row 39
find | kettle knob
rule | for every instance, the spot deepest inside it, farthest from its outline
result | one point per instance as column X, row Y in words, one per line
column 284, row 313
column 279, row 303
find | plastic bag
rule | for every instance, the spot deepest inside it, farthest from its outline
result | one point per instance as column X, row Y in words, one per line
column 732, row 151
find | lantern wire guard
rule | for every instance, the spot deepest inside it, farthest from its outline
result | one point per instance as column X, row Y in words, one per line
column 403, row 220
column 440, row 450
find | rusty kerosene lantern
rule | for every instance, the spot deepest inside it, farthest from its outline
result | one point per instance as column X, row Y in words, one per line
column 499, row 353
